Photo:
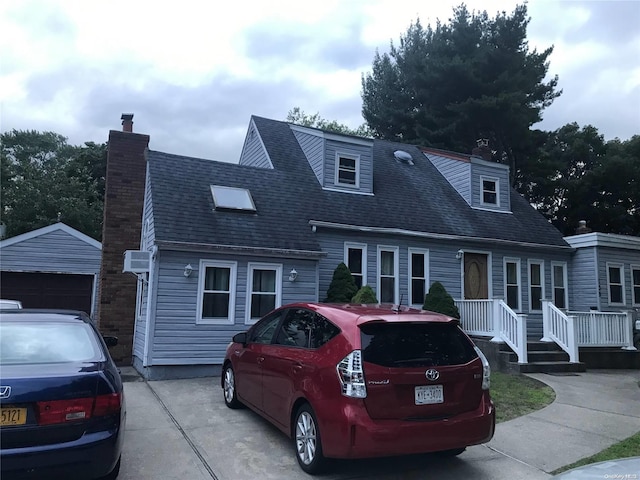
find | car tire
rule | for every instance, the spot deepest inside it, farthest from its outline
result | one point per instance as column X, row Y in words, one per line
column 229, row 388
column 113, row 474
column 451, row 453
column 307, row 441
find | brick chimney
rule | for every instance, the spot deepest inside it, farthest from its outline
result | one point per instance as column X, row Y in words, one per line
column 582, row 228
column 482, row 150
column 127, row 122
column 121, row 229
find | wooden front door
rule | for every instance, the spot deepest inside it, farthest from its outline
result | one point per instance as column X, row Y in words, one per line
column 476, row 280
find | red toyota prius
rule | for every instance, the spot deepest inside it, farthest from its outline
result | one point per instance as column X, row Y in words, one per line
column 358, row 381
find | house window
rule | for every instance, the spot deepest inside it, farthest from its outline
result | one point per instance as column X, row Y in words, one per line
column 347, row 170
column 635, row 280
column 388, row 286
column 418, row 276
column 615, row 280
column 536, row 285
column 216, row 292
column 490, row 188
column 559, row 284
column 512, row 282
column 355, row 257
column 264, row 285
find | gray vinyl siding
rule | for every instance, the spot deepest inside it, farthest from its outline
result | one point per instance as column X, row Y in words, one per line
column 496, row 171
column 366, row 165
column 253, row 151
column 177, row 338
column 457, row 173
column 313, row 148
column 443, row 266
column 148, row 225
column 618, row 256
column 583, row 293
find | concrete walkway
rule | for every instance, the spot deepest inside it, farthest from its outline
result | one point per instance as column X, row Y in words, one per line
column 181, row 429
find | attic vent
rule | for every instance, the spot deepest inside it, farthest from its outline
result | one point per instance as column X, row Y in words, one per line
column 232, row 198
column 403, row 157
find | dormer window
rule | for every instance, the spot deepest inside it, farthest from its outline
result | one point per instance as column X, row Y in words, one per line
column 347, row 170
column 490, row 190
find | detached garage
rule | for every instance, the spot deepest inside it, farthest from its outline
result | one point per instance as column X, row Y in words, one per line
column 52, row 267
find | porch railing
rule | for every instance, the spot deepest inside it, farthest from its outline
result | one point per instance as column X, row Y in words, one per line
column 604, row 329
column 494, row 318
column 560, row 328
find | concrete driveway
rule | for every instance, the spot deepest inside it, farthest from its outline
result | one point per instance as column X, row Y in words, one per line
column 181, row 429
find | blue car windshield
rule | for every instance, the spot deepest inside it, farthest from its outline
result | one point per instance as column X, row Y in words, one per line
column 48, row 342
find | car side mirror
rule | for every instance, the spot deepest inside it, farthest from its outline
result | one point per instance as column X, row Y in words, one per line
column 240, row 338
column 111, row 341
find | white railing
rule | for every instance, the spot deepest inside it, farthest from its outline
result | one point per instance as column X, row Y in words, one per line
column 604, row 329
column 476, row 317
column 494, row 318
column 560, row 328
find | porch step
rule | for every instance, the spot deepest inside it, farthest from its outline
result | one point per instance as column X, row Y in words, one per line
column 546, row 367
column 543, row 357
column 535, row 356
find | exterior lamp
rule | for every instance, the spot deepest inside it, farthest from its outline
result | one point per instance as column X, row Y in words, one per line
column 459, row 254
column 293, row 275
column 188, row 270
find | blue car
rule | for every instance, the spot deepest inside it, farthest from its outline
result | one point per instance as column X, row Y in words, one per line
column 61, row 398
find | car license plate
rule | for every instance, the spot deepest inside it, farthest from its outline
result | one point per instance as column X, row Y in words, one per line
column 13, row 416
column 430, row 394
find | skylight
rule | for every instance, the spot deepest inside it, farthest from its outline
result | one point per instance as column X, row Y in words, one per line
column 232, row 198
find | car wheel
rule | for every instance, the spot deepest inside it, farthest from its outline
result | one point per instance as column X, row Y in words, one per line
column 452, row 453
column 306, row 440
column 229, row 388
column 113, row 474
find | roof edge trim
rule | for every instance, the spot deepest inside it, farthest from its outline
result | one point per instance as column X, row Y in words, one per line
column 234, row 249
column 597, row 239
column 48, row 229
column 332, row 136
column 438, row 236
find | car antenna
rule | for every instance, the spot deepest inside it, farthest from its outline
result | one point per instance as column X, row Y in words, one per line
column 397, row 309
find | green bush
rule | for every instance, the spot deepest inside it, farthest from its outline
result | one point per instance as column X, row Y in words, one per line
column 365, row 295
column 343, row 287
column 439, row 301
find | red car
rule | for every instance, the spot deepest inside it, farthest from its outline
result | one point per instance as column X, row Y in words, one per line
column 358, row 381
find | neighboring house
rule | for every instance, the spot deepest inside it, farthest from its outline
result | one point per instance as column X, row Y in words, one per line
column 605, row 273
column 229, row 242
column 51, row 267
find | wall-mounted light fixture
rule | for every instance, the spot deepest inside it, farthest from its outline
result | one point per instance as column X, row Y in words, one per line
column 293, row 275
column 459, row 254
column 188, row 270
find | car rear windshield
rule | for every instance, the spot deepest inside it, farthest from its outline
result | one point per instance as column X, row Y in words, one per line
column 405, row 345
column 44, row 342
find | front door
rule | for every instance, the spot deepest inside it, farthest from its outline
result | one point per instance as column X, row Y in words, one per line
column 476, row 280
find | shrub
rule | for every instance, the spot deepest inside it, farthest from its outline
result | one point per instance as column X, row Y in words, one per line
column 439, row 301
column 343, row 287
column 365, row 295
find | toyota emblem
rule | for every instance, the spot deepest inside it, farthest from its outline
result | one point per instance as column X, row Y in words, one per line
column 432, row 374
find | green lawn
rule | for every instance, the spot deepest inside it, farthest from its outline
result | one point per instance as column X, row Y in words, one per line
column 517, row 395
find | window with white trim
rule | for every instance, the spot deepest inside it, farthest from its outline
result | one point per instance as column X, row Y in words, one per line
column 355, row 257
column 217, row 292
column 347, row 170
column 559, row 284
column 615, row 282
column 388, row 285
column 490, row 187
column 418, row 276
column 264, row 289
column 512, row 282
column 536, row 285
column 635, row 283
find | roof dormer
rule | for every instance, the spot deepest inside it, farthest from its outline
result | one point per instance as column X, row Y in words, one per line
column 341, row 163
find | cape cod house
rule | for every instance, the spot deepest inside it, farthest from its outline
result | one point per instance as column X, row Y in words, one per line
column 228, row 242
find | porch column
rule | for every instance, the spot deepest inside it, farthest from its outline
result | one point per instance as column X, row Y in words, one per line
column 546, row 319
column 495, row 311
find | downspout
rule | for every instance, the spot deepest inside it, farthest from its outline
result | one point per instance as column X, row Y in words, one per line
column 150, row 287
column 597, row 268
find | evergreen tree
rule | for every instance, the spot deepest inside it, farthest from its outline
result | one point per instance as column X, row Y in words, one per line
column 343, row 286
column 438, row 300
column 365, row 295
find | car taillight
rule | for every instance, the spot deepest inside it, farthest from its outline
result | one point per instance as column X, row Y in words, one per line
column 77, row 409
column 351, row 375
column 486, row 369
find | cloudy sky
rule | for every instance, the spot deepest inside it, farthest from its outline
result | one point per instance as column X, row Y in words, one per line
column 193, row 72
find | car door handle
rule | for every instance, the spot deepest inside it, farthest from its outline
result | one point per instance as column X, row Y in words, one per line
column 297, row 368
column 260, row 359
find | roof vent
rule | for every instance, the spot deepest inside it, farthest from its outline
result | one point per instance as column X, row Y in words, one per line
column 404, row 157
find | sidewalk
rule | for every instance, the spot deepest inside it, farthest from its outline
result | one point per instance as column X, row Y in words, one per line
column 181, row 429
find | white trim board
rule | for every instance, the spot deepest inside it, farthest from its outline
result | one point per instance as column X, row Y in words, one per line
column 51, row 228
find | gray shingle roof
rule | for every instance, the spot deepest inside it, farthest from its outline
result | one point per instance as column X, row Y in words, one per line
column 416, row 198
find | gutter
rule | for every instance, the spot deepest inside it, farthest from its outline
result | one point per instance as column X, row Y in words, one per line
column 435, row 236
column 236, row 249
